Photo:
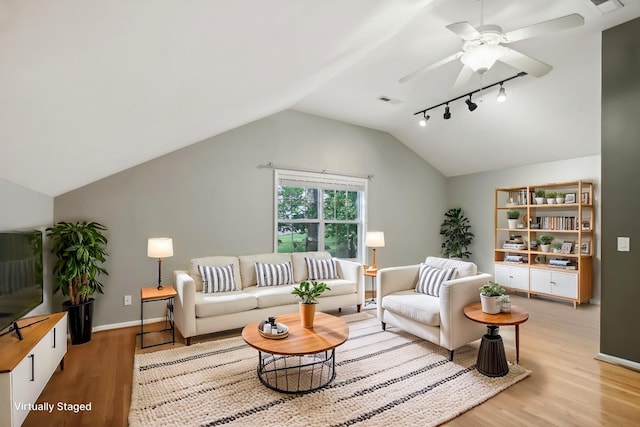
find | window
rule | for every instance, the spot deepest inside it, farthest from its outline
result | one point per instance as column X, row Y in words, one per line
column 319, row 212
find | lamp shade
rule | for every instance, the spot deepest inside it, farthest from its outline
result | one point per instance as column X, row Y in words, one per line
column 374, row 239
column 160, row 247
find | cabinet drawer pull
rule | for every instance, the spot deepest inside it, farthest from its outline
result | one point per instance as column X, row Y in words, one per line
column 33, row 363
column 54, row 337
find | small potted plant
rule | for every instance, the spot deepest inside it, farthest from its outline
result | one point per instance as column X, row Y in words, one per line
column 545, row 242
column 539, row 197
column 551, row 197
column 512, row 217
column 308, row 292
column 556, row 246
column 491, row 297
column 560, row 198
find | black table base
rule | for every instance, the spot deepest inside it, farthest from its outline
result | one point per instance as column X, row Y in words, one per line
column 492, row 360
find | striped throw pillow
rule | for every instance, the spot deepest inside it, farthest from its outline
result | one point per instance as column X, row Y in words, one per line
column 430, row 279
column 217, row 279
column 274, row 274
column 321, row 269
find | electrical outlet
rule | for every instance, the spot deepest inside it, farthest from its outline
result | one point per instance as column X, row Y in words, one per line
column 127, row 300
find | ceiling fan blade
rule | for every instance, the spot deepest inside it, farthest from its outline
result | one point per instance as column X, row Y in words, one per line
column 462, row 80
column 465, row 30
column 562, row 23
column 431, row 67
column 524, row 63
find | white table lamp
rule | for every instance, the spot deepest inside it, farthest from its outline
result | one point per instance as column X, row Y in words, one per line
column 374, row 239
column 160, row 247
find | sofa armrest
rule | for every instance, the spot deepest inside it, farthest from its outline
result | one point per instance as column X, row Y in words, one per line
column 394, row 279
column 184, row 306
column 455, row 329
column 354, row 272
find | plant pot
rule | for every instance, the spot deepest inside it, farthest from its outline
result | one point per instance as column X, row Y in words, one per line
column 491, row 305
column 560, row 200
column 545, row 248
column 307, row 314
column 551, row 201
column 513, row 223
column 539, row 201
column 80, row 320
column 556, row 251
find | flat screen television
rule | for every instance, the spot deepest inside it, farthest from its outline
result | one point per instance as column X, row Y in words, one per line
column 21, row 274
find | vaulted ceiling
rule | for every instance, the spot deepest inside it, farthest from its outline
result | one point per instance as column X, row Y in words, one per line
column 90, row 88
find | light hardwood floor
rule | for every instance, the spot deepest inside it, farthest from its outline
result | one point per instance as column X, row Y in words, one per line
column 567, row 387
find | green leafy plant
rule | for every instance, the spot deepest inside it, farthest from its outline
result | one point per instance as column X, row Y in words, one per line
column 492, row 289
column 560, row 195
column 513, row 214
column 550, row 194
column 539, row 193
column 545, row 239
column 456, row 230
column 556, row 245
column 309, row 291
column 81, row 250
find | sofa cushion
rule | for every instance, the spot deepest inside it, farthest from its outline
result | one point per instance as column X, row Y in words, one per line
column 248, row 269
column 213, row 261
column 217, row 279
column 274, row 274
column 430, row 279
column 339, row 287
column 421, row 308
column 463, row 268
column 219, row 303
column 272, row 296
column 321, row 269
column 300, row 271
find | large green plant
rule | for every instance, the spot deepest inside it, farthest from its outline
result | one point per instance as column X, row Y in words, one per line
column 308, row 291
column 81, row 249
column 456, row 230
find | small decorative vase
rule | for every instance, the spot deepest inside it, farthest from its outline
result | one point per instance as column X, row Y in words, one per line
column 491, row 305
column 551, row 201
column 560, row 200
column 513, row 223
column 545, row 248
column 506, row 304
column 307, row 314
column 539, row 201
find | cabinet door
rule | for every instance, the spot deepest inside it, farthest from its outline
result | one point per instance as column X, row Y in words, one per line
column 502, row 274
column 520, row 278
column 564, row 284
column 540, row 281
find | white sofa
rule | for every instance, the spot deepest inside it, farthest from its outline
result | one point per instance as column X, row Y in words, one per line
column 439, row 320
column 198, row 313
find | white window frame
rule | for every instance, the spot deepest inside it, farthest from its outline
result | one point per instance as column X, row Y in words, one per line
column 323, row 181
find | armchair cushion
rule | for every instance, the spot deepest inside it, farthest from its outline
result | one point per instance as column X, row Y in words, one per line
column 430, row 279
column 421, row 308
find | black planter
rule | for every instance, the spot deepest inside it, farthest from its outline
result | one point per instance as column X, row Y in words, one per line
column 80, row 320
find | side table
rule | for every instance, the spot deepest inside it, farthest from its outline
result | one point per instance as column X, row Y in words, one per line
column 167, row 293
column 492, row 360
column 373, row 273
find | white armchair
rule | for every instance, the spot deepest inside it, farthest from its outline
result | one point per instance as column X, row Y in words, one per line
column 439, row 320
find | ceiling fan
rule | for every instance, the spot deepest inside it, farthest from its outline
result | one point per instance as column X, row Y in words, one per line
column 484, row 45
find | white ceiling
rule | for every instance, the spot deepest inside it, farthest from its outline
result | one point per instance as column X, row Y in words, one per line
column 92, row 87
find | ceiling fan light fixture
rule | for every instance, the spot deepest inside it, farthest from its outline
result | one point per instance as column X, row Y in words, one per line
column 482, row 57
column 447, row 113
column 470, row 104
column 502, row 94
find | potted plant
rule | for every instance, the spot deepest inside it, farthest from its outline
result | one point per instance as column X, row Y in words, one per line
column 551, row 197
column 556, row 246
column 308, row 292
column 456, row 230
column 491, row 297
column 545, row 242
column 80, row 249
column 539, row 197
column 560, row 198
column 512, row 217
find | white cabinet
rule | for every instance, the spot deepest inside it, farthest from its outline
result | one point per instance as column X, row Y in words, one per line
column 26, row 366
column 554, row 283
column 512, row 277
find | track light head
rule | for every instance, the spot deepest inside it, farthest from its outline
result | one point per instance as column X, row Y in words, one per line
column 472, row 105
column 447, row 113
column 502, row 95
column 425, row 118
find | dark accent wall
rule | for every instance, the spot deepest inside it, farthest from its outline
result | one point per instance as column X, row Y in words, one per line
column 620, row 313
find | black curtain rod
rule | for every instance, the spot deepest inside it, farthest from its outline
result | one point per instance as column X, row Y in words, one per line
column 520, row 74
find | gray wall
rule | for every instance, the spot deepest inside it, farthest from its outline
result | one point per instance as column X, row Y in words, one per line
column 212, row 199
column 620, row 316
column 23, row 208
column 475, row 194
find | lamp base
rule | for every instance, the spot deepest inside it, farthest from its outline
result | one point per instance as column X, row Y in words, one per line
column 159, row 287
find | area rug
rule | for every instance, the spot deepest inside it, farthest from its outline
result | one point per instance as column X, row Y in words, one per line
column 383, row 378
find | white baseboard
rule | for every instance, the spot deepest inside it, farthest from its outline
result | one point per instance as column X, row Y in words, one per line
column 618, row 361
column 127, row 324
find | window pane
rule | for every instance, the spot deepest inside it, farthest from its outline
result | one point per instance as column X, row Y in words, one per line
column 340, row 205
column 341, row 240
column 297, row 237
column 297, row 203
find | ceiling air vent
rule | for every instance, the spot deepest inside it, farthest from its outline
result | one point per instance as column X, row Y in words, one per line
column 607, row 6
column 389, row 100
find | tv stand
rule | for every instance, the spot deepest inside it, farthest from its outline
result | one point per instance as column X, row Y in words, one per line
column 15, row 328
column 27, row 364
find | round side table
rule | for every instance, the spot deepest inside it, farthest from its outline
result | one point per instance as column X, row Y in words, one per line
column 492, row 360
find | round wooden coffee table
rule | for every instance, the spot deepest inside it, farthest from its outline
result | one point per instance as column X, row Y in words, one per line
column 303, row 361
column 492, row 360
